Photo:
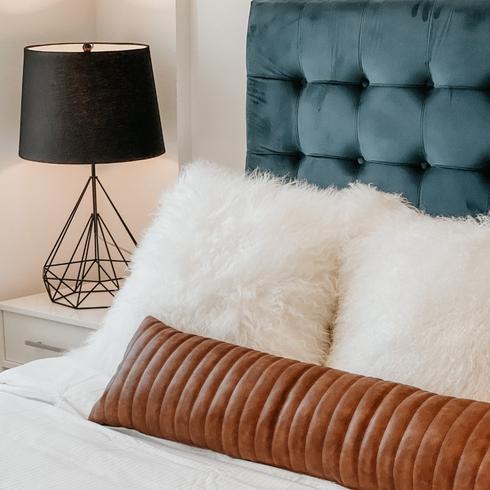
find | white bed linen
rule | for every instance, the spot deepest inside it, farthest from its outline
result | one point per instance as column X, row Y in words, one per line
column 47, row 443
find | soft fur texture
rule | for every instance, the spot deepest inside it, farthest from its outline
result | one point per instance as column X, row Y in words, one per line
column 247, row 260
column 415, row 304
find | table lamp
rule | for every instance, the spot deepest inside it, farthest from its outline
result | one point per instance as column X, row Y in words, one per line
column 88, row 103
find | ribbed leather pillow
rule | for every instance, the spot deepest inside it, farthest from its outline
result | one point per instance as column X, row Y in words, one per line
column 361, row 432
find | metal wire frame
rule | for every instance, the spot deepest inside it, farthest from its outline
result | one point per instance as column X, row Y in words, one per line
column 96, row 267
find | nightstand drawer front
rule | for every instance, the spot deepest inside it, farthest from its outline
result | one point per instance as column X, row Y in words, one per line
column 28, row 338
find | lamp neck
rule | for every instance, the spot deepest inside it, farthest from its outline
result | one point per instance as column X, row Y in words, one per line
column 94, row 210
column 93, row 178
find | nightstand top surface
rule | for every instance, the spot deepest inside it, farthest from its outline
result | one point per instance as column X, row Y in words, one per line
column 40, row 306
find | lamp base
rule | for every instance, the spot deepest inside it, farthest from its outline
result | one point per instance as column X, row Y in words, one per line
column 95, row 269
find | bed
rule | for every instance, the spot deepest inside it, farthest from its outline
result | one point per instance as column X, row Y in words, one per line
column 48, row 443
column 393, row 93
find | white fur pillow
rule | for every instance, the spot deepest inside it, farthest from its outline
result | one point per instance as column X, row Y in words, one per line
column 415, row 304
column 246, row 260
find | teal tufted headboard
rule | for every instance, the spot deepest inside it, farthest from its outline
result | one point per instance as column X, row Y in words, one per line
column 395, row 93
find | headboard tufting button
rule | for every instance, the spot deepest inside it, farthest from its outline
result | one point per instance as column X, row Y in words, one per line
column 424, row 165
column 361, row 160
column 300, row 82
column 365, row 83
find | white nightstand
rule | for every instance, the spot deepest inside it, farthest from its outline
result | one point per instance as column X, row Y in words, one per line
column 34, row 328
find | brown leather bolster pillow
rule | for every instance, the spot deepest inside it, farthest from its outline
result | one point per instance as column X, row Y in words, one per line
column 361, row 432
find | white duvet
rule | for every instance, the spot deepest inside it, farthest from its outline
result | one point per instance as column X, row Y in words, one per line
column 47, row 443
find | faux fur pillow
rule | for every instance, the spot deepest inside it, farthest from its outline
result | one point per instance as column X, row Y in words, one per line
column 251, row 261
column 415, row 305
column 248, row 260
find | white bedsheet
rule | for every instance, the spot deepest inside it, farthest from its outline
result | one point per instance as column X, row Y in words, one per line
column 47, row 443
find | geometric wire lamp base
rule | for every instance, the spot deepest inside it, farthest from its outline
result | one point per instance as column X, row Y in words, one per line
column 97, row 265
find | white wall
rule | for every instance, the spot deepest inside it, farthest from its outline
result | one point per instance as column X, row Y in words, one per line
column 198, row 54
column 218, row 80
column 34, row 198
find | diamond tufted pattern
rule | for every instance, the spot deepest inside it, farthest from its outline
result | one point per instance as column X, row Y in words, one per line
column 361, row 432
column 390, row 92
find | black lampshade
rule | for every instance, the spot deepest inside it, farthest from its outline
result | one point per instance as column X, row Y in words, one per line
column 93, row 106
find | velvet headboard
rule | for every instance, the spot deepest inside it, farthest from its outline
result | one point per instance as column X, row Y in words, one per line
column 395, row 93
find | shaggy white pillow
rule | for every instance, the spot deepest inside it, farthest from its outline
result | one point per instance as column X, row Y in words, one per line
column 415, row 304
column 251, row 261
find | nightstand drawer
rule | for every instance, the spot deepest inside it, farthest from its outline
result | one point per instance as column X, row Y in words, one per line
column 28, row 338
